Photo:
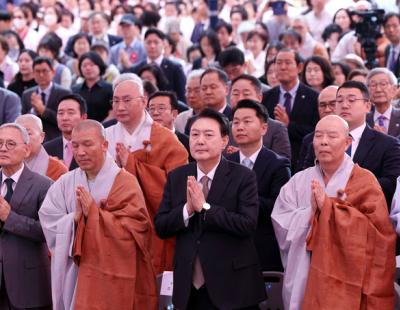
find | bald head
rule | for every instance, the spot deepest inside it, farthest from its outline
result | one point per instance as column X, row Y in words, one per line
column 34, row 127
column 90, row 124
column 327, row 101
column 336, row 122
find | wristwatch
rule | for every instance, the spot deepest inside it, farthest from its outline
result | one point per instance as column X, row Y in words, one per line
column 206, row 206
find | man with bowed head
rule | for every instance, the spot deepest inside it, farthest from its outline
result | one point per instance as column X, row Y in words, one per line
column 324, row 267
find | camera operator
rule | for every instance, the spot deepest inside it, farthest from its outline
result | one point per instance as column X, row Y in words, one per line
column 391, row 28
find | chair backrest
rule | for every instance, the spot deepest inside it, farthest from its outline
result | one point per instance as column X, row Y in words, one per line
column 273, row 287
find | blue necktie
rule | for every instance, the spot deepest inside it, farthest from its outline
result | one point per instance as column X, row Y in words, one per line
column 288, row 103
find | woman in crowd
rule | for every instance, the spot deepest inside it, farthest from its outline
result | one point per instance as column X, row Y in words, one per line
column 331, row 36
column 154, row 75
column 341, row 72
column 210, row 49
column 112, row 71
column 273, row 49
column 80, row 46
column 269, row 76
column 317, row 73
column 24, row 78
column 343, row 19
column 255, row 55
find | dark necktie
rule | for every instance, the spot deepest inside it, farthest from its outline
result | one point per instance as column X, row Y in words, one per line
column 43, row 95
column 288, row 103
column 392, row 61
column 9, row 182
column 348, row 151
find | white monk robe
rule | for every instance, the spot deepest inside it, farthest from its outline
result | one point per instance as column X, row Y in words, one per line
column 57, row 219
column 133, row 142
column 291, row 220
column 395, row 210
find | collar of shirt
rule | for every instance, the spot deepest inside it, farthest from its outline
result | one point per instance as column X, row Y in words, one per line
column 223, row 108
column 395, row 48
column 65, row 141
column 99, row 83
column 210, row 175
column 103, row 38
column 145, row 118
column 356, row 133
column 132, row 45
column 157, row 60
column 387, row 114
column 252, row 157
column 292, row 91
column 46, row 90
column 15, row 176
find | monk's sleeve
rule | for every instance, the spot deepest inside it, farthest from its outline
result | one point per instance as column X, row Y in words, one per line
column 176, row 155
column 395, row 209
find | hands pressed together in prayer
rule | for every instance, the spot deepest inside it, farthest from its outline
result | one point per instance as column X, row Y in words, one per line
column 281, row 115
column 83, row 202
column 37, row 103
column 4, row 209
column 194, row 196
column 317, row 195
column 122, row 154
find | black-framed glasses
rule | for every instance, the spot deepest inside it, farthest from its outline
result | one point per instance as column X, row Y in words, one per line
column 10, row 144
column 350, row 100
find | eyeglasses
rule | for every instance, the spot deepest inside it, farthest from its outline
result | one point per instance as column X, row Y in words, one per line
column 350, row 100
column 159, row 109
column 327, row 104
column 10, row 144
column 45, row 71
column 126, row 101
column 382, row 84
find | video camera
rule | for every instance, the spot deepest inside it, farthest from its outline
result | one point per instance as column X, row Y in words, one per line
column 368, row 30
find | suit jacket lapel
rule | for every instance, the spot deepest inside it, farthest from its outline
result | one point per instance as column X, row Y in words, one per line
column 298, row 101
column 260, row 165
column 219, row 183
column 366, row 142
column 23, row 186
column 52, row 95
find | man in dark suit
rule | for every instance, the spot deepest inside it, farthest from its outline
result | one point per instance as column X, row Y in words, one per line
column 276, row 139
column 10, row 106
column 211, row 207
column 391, row 27
column 372, row 150
column 43, row 99
column 163, row 109
column 382, row 87
column 71, row 110
column 154, row 45
column 292, row 103
column 273, row 171
column 24, row 261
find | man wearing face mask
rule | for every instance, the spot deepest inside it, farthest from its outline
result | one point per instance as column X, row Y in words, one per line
column 29, row 36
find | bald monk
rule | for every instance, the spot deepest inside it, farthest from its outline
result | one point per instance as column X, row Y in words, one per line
column 147, row 150
column 39, row 161
column 332, row 225
column 97, row 228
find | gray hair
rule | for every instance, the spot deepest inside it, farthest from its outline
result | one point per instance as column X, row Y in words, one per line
column 22, row 130
column 132, row 77
column 195, row 74
column 30, row 117
column 392, row 78
column 89, row 124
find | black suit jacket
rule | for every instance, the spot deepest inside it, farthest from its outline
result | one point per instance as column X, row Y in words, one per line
column 394, row 122
column 380, row 154
column 174, row 74
column 112, row 40
column 49, row 117
column 272, row 171
column 24, row 258
column 184, row 139
column 303, row 117
column 55, row 148
column 387, row 57
column 222, row 237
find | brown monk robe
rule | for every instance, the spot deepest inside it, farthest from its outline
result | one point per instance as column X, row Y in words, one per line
column 56, row 168
column 151, row 165
column 352, row 245
column 112, row 245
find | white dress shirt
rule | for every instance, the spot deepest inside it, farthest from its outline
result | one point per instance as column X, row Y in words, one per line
column 356, row 134
column 15, row 178
column 252, row 157
column 157, row 60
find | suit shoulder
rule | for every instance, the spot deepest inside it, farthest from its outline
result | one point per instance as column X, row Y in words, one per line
column 61, row 89
column 41, row 180
column 53, row 142
column 308, row 90
column 239, row 169
column 384, row 138
column 29, row 91
column 182, row 170
column 274, row 159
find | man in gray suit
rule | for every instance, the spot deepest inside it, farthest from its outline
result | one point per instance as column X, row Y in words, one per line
column 43, row 99
column 276, row 139
column 24, row 261
column 10, row 106
column 382, row 89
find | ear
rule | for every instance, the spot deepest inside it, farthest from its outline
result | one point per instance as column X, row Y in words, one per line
column 27, row 151
column 264, row 128
column 225, row 141
column 42, row 135
column 84, row 116
column 300, row 67
column 174, row 113
column 349, row 140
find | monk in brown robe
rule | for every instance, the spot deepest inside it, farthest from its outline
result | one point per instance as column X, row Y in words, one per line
column 98, row 211
column 147, row 150
column 39, row 161
column 338, row 248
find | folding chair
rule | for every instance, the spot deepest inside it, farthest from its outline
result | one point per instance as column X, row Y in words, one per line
column 273, row 287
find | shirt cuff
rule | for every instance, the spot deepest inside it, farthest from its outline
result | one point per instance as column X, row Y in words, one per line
column 186, row 215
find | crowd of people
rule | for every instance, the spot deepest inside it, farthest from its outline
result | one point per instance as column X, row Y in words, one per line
column 139, row 137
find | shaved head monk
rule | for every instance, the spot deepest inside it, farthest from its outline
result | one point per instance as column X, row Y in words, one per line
column 98, row 231
column 324, row 219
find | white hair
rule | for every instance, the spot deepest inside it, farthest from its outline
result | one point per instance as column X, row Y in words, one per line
column 195, row 74
column 30, row 117
column 392, row 78
column 88, row 124
column 132, row 77
column 22, row 130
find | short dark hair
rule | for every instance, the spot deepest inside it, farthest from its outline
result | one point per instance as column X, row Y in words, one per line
column 223, row 24
column 326, row 69
column 212, row 40
column 291, row 33
column 356, row 72
column 221, row 75
column 155, row 31
column 79, row 99
column 358, row 85
column 191, row 49
column 231, row 56
column 43, row 59
column 149, row 88
column 257, row 33
column 261, row 111
column 52, row 42
column 343, row 66
column 220, row 118
column 150, row 18
column 329, row 30
column 389, row 16
column 241, row 10
column 95, row 58
column 4, row 44
column 80, row 35
column 253, row 81
column 297, row 57
column 5, row 16
column 164, row 93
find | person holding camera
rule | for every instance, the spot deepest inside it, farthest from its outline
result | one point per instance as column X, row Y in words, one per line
column 391, row 28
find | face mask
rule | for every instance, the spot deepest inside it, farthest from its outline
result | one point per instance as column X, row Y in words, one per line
column 19, row 23
column 50, row 20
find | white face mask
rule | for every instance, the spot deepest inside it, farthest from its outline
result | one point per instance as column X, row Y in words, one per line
column 19, row 23
column 50, row 20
